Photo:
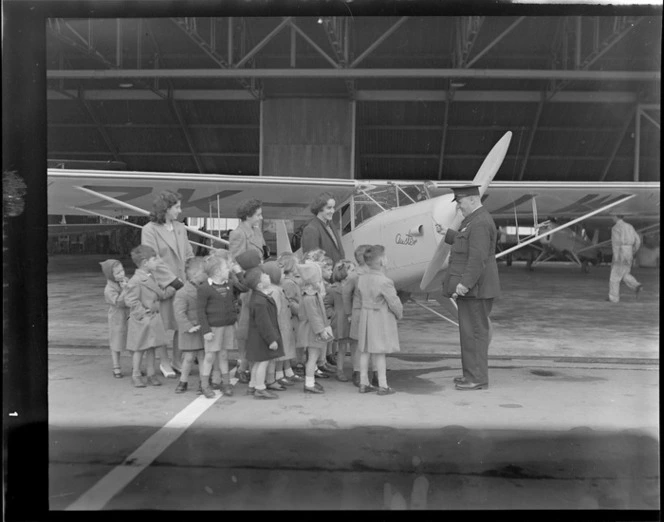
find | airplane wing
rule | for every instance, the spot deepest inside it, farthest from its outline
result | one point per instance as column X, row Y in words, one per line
column 568, row 200
column 283, row 198
column 81, row 228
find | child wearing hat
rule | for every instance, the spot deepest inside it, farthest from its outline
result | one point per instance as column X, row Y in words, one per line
column 314, row 329
column 377, row 325
column 264, row 341
column 246, row 261
column 145, row 330
column 118, row 311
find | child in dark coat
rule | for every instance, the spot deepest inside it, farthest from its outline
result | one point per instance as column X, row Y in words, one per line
column 118, row 311
column 264, row 341
column 145, row 331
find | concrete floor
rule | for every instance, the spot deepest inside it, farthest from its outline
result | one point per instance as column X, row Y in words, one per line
column 570, row 421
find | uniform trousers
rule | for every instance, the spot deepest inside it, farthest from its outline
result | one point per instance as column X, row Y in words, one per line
column 475, row 336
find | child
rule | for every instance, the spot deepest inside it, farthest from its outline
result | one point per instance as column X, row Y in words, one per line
column 185, row 307
column 114, row 295
column 377, row 325
column 352, row 305
column 314, row 327
column 264, row 340
column 145, row 329
column 217, row 312
column 290, row 284
column 245, row 261
column 339, row 319
column 283, row 371
column 326, row 367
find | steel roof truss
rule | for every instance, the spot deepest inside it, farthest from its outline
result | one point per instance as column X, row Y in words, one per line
column 379, row 41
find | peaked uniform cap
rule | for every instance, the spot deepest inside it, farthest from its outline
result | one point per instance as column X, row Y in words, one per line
column 467, row 190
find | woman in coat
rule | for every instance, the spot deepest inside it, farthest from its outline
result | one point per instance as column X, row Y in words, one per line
column 168, row 237
column 320, row 232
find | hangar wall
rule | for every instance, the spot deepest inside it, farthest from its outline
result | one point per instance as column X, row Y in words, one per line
column 305, row 137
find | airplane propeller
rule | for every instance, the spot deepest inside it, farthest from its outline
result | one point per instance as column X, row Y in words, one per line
column 483, row 178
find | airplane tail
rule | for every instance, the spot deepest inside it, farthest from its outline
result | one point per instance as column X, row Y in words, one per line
column 283, row 243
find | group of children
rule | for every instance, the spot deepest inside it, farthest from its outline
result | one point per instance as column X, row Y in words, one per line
column 290, row 319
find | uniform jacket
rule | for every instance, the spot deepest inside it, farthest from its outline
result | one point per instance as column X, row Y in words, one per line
column 186, row 316
column 313, row 320
column 263, row 328
column 380, row 309
column 625, row 242
column 143, row 295
column 173, row 249
column 472, row 257
column 244, row 238
column 118, row 313
column 316, row 235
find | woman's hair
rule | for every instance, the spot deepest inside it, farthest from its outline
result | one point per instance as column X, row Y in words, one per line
column 248, row 208
column 320, row 202
column 287, row 262
column 142, row 253
column 316, row 255
column 373, row 254
column 165, row 200
column 341, row 270
column 359, row 253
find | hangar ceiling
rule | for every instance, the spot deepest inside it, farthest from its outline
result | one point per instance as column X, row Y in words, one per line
column 581, row 94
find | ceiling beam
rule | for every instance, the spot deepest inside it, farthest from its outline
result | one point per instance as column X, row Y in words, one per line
column 379, row 41
column 286, row 21
column 313, row 44
column 64, row 154
column 486, row 74
column 495, row 41
column 531, row 136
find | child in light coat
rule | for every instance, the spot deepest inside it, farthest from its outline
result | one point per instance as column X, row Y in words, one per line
column 118, row 311
column 314, row 328
column 291, row 285
column 377, row 325
column 145, row 330
column 185, row 306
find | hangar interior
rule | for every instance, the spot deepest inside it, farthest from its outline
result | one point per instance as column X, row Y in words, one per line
column 421, row 97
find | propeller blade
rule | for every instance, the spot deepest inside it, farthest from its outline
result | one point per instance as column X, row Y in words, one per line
column 437, row 264
column 492, row 162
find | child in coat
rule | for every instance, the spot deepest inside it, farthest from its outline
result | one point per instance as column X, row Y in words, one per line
column 314, row 328
column 246, row 261
column 352, row 305
column 145, row 330
column 185, row 306
column 118, row 311
column 326, row 362
column 264, row 341
column 291, row 287
column 217, row 312
column 339, row 319
column 377, row 325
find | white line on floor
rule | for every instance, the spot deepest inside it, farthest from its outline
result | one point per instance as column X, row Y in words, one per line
column 110, row 485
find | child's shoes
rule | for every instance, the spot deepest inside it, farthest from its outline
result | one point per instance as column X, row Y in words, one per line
column 276, row 386
column 138, row 382
column 295, row 378
column 207, row 392
column 227, row 390
column 153, row 380
column 321, row 375
column 181, row 387
column 356, row 379
column 265, row 394
column 285, row 381
column 341, row 377
column 386, row 391
column 367, row 388
column 251, row 390
column 317, row 388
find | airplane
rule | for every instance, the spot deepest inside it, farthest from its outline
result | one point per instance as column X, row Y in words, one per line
column 401, row 215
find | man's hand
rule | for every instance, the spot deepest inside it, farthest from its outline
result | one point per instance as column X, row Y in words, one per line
column 273, row 345
column 461, row 290
column 208, row 336
column 194, row 328
column 441, row 229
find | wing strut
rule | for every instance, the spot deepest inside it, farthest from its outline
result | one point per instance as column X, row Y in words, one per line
column 130, row 224
column 574, row 221
column 146, row 213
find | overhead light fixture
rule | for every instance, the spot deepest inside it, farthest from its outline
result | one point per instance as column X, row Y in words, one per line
column 320, row 20
column 126, row 85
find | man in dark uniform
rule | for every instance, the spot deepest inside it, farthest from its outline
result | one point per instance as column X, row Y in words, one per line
column 472, row 277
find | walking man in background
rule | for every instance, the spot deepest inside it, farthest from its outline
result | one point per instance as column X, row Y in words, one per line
column 625, row 243
column 472, row 276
